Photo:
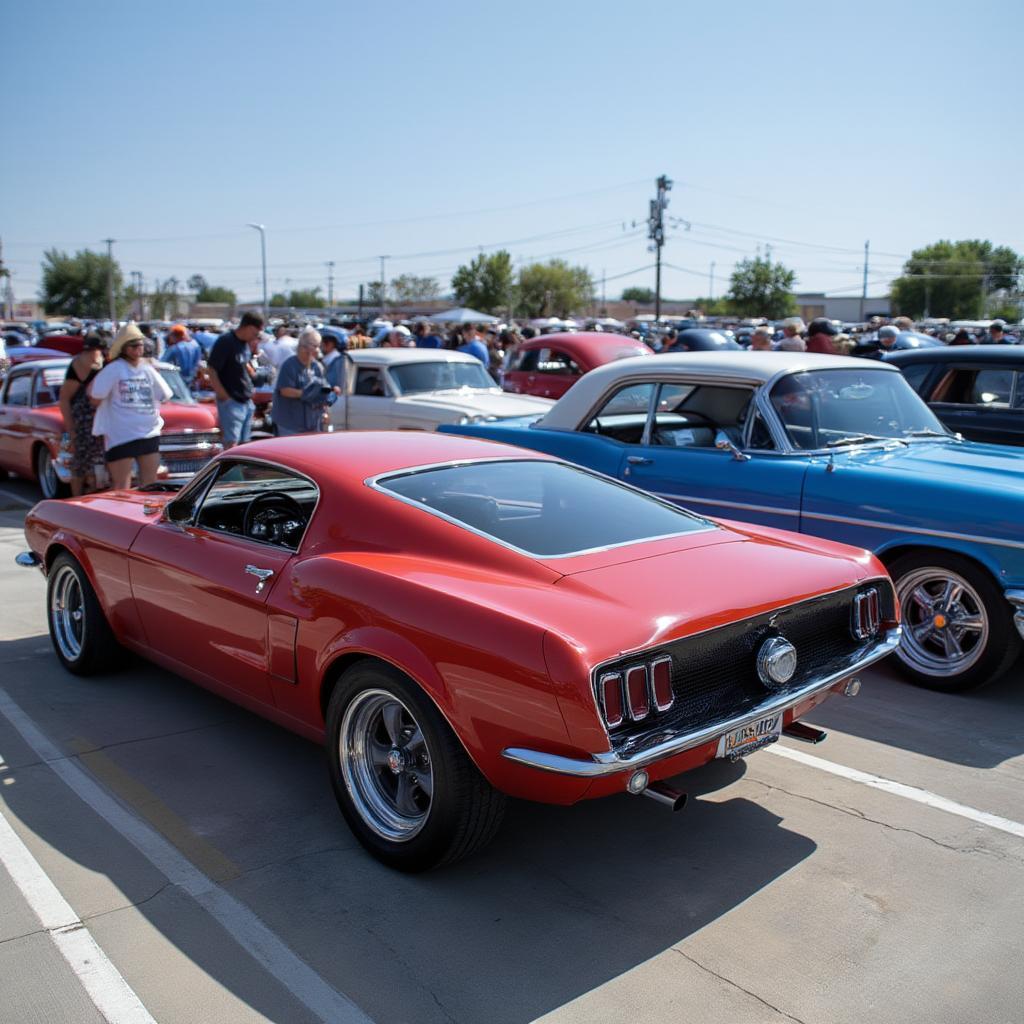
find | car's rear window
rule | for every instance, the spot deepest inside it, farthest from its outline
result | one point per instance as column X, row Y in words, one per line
column 546, row 509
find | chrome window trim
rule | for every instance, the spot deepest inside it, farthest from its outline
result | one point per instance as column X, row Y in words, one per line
column 611, row 763
column 213, row 471
column 375, row 483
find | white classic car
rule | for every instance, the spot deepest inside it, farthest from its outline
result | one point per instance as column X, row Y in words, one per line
column 419, row 389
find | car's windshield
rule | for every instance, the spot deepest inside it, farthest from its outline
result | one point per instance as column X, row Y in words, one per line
column 547, row 509
column 833, row 408
column 413, row 378
column 180, row 392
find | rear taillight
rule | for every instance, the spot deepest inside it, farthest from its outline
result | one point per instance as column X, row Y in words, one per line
column 867, row 615
column 610, row 688
column 661, row 683
column 636, row 692
column 637, row 697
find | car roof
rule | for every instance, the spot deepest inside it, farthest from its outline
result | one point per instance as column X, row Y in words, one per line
column 394, row 356
column 350, row 457
column 591, row 342
column 736, row 365
column 959, row 354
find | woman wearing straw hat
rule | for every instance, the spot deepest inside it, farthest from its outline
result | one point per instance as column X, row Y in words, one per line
column 127, row 394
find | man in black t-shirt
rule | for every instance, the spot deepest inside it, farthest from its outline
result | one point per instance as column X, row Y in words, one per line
column 231, row 373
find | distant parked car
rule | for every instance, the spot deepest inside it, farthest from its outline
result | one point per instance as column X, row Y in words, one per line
column 700, row 339
column 975, row 390
column 905, row 341
column 31, row 425
column 420, row 388
column 549, row 365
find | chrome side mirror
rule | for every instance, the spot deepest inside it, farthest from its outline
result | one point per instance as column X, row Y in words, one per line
column 724, row 444
column 178, row 513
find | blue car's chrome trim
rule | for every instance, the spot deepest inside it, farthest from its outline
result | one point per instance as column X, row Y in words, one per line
column 874, row 524
column 1016, row 598
column 610, row 762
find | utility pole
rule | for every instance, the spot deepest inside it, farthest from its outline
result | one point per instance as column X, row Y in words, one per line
column 110, row 282
column 864, row 289
column 383, row 286
column 330, row 285
column 656, row 233
column 360, row 312
column 711, row 281
column 5, row 280
column 604, row 296
column 137, row 282
column 263, row 260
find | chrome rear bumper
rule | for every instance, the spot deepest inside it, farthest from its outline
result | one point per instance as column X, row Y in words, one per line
column 609, row 762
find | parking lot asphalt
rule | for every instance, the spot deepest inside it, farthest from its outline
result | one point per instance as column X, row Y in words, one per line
column 200, row 849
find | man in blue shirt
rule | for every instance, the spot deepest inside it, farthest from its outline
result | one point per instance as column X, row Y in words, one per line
column 183, row 352
column 472, row 343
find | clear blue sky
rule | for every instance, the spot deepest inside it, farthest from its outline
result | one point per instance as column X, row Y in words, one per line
column 428, row 131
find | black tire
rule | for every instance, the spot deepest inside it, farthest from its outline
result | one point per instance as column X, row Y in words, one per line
column 79, row 631
column 950, row 604
column 49, row 482
column 384, row 797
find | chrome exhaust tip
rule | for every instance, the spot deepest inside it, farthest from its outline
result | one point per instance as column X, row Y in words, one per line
column 666, row 796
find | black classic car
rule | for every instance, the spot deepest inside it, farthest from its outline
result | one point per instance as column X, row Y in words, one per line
column 975, row 390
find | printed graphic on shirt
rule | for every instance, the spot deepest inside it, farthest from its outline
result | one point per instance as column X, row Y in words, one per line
column 136, row 394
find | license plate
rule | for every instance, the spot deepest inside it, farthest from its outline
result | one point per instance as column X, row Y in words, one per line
column 749, row 738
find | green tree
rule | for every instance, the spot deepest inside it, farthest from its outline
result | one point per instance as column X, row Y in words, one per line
column 759, row 287
column 163, row 299
column 485, row 283
column 77, row 285
column 278, row 299
column 409, row 288
column 197, row 283
column 306, row 298
column 644, row 295
column 956, row 279
column 553, row 289
column 215, row 293
column 713, row 307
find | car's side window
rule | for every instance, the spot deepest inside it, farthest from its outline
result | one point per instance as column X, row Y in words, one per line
column 369, row 381
column 623, row 415
column 917, row 374
column 700, row 416
column 993, row 388
column 527, row 360
column 558, row 363
column 19, row 390
column 760, row 435
column 260, row 502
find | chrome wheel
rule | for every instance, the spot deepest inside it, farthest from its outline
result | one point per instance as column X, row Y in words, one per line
column 945, row 622
column 386, row 765
column 67, row 612
column 49, row 484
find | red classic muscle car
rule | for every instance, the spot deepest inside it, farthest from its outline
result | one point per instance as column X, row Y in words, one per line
column 460, row 620
column 31, row 425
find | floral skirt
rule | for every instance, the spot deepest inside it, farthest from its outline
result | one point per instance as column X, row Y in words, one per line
column 88, row 448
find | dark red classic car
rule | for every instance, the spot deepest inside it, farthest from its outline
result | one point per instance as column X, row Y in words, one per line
column 31, row 426
column 460, row 620
column 549, row 365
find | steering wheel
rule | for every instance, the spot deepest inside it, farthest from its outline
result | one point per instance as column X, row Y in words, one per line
column 275, row 518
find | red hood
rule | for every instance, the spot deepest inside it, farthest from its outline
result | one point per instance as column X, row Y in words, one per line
column 179, row 417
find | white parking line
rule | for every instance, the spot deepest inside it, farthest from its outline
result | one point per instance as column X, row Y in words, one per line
column 920, row 796
column 110, row 993
column 238, row 920
column 18, row 498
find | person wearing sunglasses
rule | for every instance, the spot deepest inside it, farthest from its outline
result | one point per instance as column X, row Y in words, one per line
column 127, row 394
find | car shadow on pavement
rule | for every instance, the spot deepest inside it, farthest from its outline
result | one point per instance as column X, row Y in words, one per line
column 981, row 728
column 563, row 901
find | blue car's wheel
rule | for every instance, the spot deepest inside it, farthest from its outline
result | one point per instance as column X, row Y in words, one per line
column 958, row 631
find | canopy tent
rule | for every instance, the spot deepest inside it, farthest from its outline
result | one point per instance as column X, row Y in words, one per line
column 462, row 315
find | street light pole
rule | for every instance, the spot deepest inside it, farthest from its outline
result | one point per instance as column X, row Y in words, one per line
column 330, row 285
column 383, row 287
column 110, row 282
column 263, row 259
column 656, row 233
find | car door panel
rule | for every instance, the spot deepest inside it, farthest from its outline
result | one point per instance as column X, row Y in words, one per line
column 200, row 606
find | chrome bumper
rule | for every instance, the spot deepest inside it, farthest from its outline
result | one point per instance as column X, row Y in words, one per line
column 1016, row 598
column 610, row 762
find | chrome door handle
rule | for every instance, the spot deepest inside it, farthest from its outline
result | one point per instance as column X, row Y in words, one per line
column 638, row 460
column 261, row 574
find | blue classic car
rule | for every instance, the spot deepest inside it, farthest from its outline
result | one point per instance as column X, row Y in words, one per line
column 825, row 445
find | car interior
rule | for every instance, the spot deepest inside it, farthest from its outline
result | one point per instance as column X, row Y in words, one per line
column 259, row 502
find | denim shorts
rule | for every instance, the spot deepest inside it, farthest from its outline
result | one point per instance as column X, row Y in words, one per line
column 235, row 420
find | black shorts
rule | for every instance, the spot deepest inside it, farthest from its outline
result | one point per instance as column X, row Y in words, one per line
column 133, row 449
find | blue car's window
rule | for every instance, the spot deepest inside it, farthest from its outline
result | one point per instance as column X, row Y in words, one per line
column 624, row 416
column 828, row 408
column 546, row 509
